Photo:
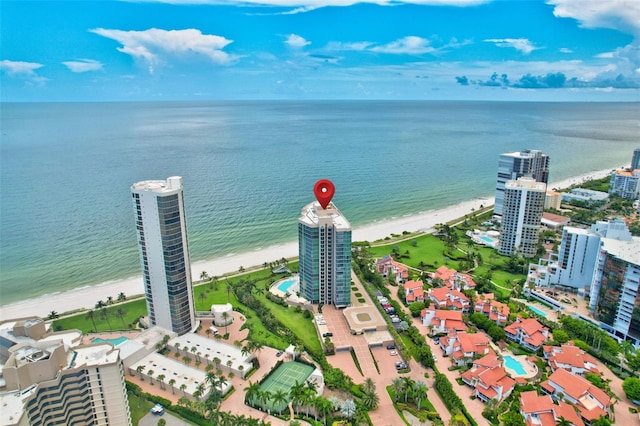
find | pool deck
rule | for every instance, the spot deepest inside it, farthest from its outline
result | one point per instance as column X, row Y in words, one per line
column 530, row 369
column 87, row 338
column 295, row 287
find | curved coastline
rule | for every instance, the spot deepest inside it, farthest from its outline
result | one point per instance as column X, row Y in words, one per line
column 86, row 296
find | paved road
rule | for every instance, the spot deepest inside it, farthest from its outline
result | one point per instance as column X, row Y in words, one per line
column 152, row 420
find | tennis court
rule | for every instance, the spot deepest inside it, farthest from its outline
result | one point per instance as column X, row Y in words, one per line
column 283, row 379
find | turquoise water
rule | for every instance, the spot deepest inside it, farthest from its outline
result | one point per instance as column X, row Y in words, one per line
column 285, row 285
column 537, row 311
column 487, row 239
column 116, row 341
column 515, row 365
column 66, row 170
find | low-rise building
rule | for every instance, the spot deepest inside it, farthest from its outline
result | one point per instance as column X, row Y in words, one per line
column 489, row 379
column 492, row 309
column 570, row 358
column 552, row 200
column 541, row 410
column 448, row 298
column 588, row 196
column 222, row 314
column 528, row 332
column 442, row 321
column 387, row 266
column 454, row 279
column 414, row 291
column 554, row 221
column 463, row 347
column 591, row 401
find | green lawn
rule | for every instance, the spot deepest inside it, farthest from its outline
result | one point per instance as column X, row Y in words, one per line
column 133, row 311
column 428, row 249
column 139, row 407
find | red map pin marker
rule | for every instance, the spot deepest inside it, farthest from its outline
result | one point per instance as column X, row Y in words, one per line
column 324, row 190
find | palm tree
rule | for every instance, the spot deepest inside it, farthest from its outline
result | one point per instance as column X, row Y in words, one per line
column 251, row 392
column 183, row 387
column 171, row 383
column 229, row 289
column 53, row 315
column 279, row 399
column 203, row 275
column 91, row 314
column 139, row 370
column 225, row 316
column 104, row 314
column 323, row 407
column 348, row 408
column 563, row 422
column 217, row 362
column 295, row 393
column 110, row 300
column 161, row 378
column 420, row 392
column 120, row 313
column 121, row 297
column 150, row 374
column 408, row 387
column 397, row 386
column 202, row 296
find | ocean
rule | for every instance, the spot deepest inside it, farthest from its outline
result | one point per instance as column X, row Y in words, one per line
column 66, row 216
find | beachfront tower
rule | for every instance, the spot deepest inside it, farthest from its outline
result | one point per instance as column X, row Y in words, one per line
column 615, row 288
column 324, row 245
column 522, row 212
column 513, row 165
column 164, row 253
column 635, row 161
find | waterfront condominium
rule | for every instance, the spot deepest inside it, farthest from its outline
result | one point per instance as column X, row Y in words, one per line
column 164, row 253
column 324, row 246
column 635, row 161
column 615, row 293
column 522, row 212
column 54, row 379
column 513, row 165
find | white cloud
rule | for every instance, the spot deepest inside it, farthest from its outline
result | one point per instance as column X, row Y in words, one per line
column 296, row 41
column 565, row 50
column 19, row 68
column 521, row 44
column 605, row 55
column 83, row 65
column 623, row 15
column 357, row 46
column 153, row 45
column 410, row 45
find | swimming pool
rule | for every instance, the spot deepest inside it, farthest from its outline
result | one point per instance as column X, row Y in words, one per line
column 513, row 364
column 537, row 311
column 487, row 240
column 116, row 341
column 285, row 285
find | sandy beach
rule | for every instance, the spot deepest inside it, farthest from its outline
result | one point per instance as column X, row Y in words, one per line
column 87, row 297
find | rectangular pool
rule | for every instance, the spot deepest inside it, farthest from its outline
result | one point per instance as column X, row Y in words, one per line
column 537, row 311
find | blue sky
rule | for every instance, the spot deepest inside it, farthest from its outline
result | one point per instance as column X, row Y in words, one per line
column 320, row 49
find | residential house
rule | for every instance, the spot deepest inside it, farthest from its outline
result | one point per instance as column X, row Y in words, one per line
column 414, row 291
column 489, row 379
column 453, row 279
column 445, row 297
column 386, row 266
column 442, row 321
column 571, row 358
column 463, row 347
column 492, row 309
column 528, row 332
column 541, row 411
column 591, row 401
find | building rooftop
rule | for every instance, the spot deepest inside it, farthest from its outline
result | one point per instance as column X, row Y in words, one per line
column 170, row 185
column 312, row 214
column 629, row 251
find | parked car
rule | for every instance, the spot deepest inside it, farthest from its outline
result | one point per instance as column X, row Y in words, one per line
column 393, row 353
column 279, row 353
column 390, row 347
column 157, row 409
column 329, row 334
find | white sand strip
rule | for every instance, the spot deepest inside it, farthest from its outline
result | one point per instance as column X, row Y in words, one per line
column 86, row 297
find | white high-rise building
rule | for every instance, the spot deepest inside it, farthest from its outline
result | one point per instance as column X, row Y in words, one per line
column 164, row 253
column 635, row 161
column 324, row 246
column 575, row 261
column 625, row 183
column 514, row 165
column 521, row 215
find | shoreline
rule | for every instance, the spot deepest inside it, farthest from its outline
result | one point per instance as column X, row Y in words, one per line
column 86, row 297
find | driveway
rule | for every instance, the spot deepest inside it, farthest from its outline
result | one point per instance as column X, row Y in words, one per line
column 152, row 420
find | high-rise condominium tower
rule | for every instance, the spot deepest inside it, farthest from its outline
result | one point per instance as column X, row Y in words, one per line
column 513, row 165
column 523, row 208
column 324, row 245
column 164, row 253
column 635, row 161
